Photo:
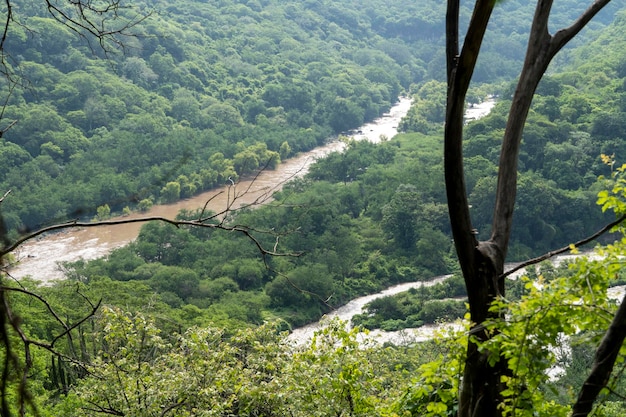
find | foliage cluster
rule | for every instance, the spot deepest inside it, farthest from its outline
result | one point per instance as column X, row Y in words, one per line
column 201, row 89
column 131, row 366
column 441, row 302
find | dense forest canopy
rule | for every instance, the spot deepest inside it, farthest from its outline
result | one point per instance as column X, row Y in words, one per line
column 358, row 235
column 204, row 91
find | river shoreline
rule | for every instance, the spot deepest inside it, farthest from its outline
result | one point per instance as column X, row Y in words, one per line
column 41, row 258
column 353, row 307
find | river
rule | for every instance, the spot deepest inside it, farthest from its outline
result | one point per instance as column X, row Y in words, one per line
column 40, row 258
column 346, row 312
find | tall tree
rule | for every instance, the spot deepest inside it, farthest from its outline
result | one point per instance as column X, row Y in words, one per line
column 482, row 262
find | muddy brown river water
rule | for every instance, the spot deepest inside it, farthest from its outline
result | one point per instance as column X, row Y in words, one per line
column 40, row 258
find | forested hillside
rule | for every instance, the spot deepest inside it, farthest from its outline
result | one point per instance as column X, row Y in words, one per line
column 202, row 92
column 207, row 91
column 375, row 215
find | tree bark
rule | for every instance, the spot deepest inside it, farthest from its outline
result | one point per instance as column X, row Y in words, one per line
column 480, row 387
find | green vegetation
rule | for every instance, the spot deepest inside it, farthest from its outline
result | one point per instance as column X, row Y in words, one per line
column 218, row 90
column 442, row 302
column 344, row 228
column 206, row 91
column 250, row 372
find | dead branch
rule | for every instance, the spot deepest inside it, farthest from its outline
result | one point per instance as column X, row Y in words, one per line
column 247, row 231
column 7, row 21
column 89, row 20
column 12, row 365
column 564, row 249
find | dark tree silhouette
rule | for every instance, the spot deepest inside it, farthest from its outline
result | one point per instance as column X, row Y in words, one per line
column 482, row 262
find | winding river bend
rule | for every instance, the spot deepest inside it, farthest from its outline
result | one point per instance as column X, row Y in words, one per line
column 40, row 258
column 346, row 312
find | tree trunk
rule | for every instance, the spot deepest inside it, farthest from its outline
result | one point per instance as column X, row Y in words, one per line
column 602, row 364
column 482, row 263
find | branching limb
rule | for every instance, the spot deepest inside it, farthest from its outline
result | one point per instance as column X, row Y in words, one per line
column 7, row 22
column 263, row 198
column 565, row 249
column 12, row 364
column 563, row 36
column 247, row 231
column 66, row 328
column 101, row 21
column 173, row 406
column 542, row 47
column 90, row 18
column 460, row 69
column 103, row 410
column 5, row 105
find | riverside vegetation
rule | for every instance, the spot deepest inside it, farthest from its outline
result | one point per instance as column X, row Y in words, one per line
column 210, row 92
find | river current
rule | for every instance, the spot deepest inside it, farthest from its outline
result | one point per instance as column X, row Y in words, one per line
column 41, row 258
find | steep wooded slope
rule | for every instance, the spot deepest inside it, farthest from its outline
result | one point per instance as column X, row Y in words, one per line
column 206, row 90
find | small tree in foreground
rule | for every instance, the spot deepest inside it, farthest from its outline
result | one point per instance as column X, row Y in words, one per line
column 485, row 383
column 535, row 336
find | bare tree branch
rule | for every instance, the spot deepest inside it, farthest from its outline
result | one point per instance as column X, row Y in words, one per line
column 5, row 196
column 7, row 22
column 88, row 19
column 542, row 47
column 66, row 328
column 452, row 37
column 564, row 249
column 563, row 36
column 5, row 105
column 91, row 19
column 247, row 231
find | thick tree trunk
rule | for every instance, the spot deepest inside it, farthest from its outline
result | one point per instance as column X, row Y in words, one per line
column 481, row 386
